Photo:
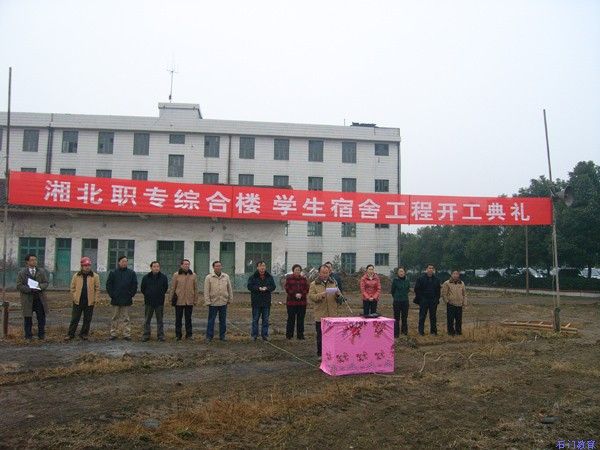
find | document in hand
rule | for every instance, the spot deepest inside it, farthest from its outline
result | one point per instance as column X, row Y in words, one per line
column 331, row 290
column 33, row 284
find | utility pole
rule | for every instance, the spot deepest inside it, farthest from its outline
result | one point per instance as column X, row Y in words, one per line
column 5, row 304
column 554, row 245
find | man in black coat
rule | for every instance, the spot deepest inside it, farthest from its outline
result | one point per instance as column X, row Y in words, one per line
column 260, row 285
column 155, row 285
column 427, row 292
column 121, row 286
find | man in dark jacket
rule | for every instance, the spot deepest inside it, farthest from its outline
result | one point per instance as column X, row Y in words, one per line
column 32, row 283
column 427, row 292
column 260, row 285
column 155, row 285
column 121, row 286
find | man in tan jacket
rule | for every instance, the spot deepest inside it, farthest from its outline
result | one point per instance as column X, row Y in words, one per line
column 184, row 294
column 323, row 293
column 217, row 295
column 85, row 288
column 455, row 296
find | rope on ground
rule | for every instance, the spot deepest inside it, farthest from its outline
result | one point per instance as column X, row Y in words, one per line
column 275, row 346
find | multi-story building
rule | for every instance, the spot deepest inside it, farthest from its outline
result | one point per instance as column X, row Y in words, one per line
column 181, row 146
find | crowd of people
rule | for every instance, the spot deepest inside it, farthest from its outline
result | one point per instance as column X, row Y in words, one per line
column 325, row 293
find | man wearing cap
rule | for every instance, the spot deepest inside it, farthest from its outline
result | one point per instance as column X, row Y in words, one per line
column 85, row 288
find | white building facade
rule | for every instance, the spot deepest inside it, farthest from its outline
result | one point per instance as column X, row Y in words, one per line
column 181, row 146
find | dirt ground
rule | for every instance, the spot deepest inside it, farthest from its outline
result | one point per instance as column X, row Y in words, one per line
column 490, row 388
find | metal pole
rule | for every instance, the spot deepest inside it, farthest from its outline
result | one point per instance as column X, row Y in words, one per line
column 554, row 244
column 399, row 190
column 5, row 304
column 526, row 261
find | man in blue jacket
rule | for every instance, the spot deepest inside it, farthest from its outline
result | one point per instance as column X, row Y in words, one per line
column 155, row 285
column 260, row 285
column 121, row 287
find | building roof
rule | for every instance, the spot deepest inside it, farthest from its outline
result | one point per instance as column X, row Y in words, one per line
column 187, row 118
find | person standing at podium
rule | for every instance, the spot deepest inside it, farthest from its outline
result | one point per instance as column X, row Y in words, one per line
column 323, row 293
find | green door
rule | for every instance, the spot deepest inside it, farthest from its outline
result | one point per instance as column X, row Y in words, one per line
column 227, row 257
column 169, row 254
column 201, row 260
column 62, row 264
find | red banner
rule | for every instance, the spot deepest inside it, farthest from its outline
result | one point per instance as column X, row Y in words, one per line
column 249, row 202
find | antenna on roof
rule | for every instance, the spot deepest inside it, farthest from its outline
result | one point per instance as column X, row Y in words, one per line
column 171, row 71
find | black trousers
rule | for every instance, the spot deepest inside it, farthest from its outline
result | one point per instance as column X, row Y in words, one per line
column 400, row 312
column 369, row 307
column 149, row 311
column 296, row 314
column 428, row 306
column 319, row 337
column 179, row 313
column 40, row 314
column 76, row 315
column 454, row 314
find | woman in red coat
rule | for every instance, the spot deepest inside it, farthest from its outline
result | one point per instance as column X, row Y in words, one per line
column 370, row 289
column 296, row 286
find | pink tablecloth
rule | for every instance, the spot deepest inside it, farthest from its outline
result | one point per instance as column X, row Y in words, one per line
column 357, row 345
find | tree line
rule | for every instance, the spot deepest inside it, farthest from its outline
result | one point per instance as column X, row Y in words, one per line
column 482, row 247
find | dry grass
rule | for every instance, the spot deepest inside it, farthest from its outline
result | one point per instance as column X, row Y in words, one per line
column 93, row 364
column 264, row 419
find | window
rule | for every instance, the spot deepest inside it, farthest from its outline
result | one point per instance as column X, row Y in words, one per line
column 382, row 259
column 31, row 139
column 68, row 172
column 314, row 260
column 106, row 140
column 69, row 143
column 382, row 225
column 33, row 245
column 315, row 183
column 281, row 149
column 382, row 185
column 141, row 143
column 211, row 146
column 29, row 169
column 169, row 254
column 139, row 174
column 281, row 180
column 89, row 248
column 348, row 262
column 314, row 229
column 315, row 150
column 348, row 229
column 175, row 166
column 210, row 178
column 348, row 184
column 245, row 179
column 246, row 147
column 257, row 251
column 118, row 248
column 176, row 138
column 103, row 173
column 382, row 149
column 349, row 152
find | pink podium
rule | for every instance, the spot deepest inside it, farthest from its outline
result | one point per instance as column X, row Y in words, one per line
column 354, row 345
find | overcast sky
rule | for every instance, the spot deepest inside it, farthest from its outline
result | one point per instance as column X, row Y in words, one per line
column 465, row 81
